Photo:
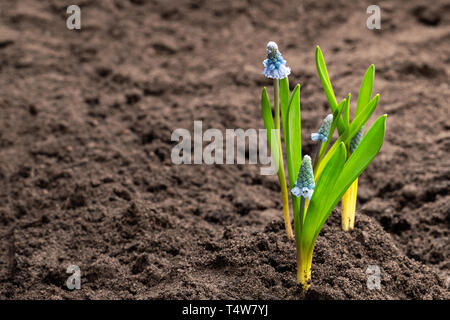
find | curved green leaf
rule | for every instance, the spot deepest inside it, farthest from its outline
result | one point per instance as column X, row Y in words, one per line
column 267, row 113
column 294, row 141
column 268, row 124
column 354, row 127
column 366, row 90
column 346, row 112
column 366, row 151
column 361, row 119
column 327, row 87
column 320, row 201
column 284, row 100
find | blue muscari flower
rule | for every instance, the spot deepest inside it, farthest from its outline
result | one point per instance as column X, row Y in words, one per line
column 324, row 129
column 304, row 186
column 275, row 65
column 354, row 142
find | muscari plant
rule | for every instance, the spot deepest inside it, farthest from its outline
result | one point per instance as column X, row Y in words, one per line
column 314, row 196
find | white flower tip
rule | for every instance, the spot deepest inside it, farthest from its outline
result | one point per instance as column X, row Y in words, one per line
column 271, row 45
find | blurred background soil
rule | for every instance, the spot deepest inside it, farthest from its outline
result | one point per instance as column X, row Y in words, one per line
column 85, row 152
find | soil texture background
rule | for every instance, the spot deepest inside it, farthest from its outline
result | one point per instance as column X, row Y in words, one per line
column 85, row 149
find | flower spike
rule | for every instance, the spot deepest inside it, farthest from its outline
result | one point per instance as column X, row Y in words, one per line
column 275, row 65
column 304, row 186
column 356, row 140
column 324, row 129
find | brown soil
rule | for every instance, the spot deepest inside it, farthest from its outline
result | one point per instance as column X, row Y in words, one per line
column 85, row 168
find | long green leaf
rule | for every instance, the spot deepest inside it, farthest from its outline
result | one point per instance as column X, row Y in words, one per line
column 274, row 146
column 267, row 114
column 324, row 78
column 294, row 141
column 327, row 87
column 362, row 118
column 317, row 209
column 366, row 90
column 350, row 132
column 368, row 148
column 346, row 112
column 284, row 100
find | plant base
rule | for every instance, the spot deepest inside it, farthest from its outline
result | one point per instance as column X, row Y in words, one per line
column 349, row 207
column 304, row 271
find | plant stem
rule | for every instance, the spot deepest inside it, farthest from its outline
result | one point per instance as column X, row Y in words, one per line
column 281, row 174
column 284, row 195
column 349, row 207
column 346, row 209
column 302, row 212
column 304, row 256
column 304, row 261
column 354, row 193
column 276, row 96
column 316, row 158
column 297, row 224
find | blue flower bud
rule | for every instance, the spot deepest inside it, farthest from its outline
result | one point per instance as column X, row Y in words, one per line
column 275, row 65
column 354, row 142
column 324, row 129
column 304, row 186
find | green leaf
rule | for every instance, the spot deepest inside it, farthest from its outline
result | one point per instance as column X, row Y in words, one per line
column 326, row 83
column 268, row 124
column 294, row 141
column 267, row 113
column 284, row 100
column 337, row 177
column 324, row 78
column 354, row 127
column 362, row 118
column 320, row 201
column 346, row 112
column 366, row 90
column 359, row 160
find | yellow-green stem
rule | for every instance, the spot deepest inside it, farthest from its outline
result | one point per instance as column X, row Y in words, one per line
column 281, row 174
column 349, row 207
column 316, row 158
column 285, row 198
column 304, row 260
column 354, row 194
column 304, row 255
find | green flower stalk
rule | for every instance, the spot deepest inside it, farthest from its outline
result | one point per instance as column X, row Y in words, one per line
column 303, row 189
column 275, row 68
